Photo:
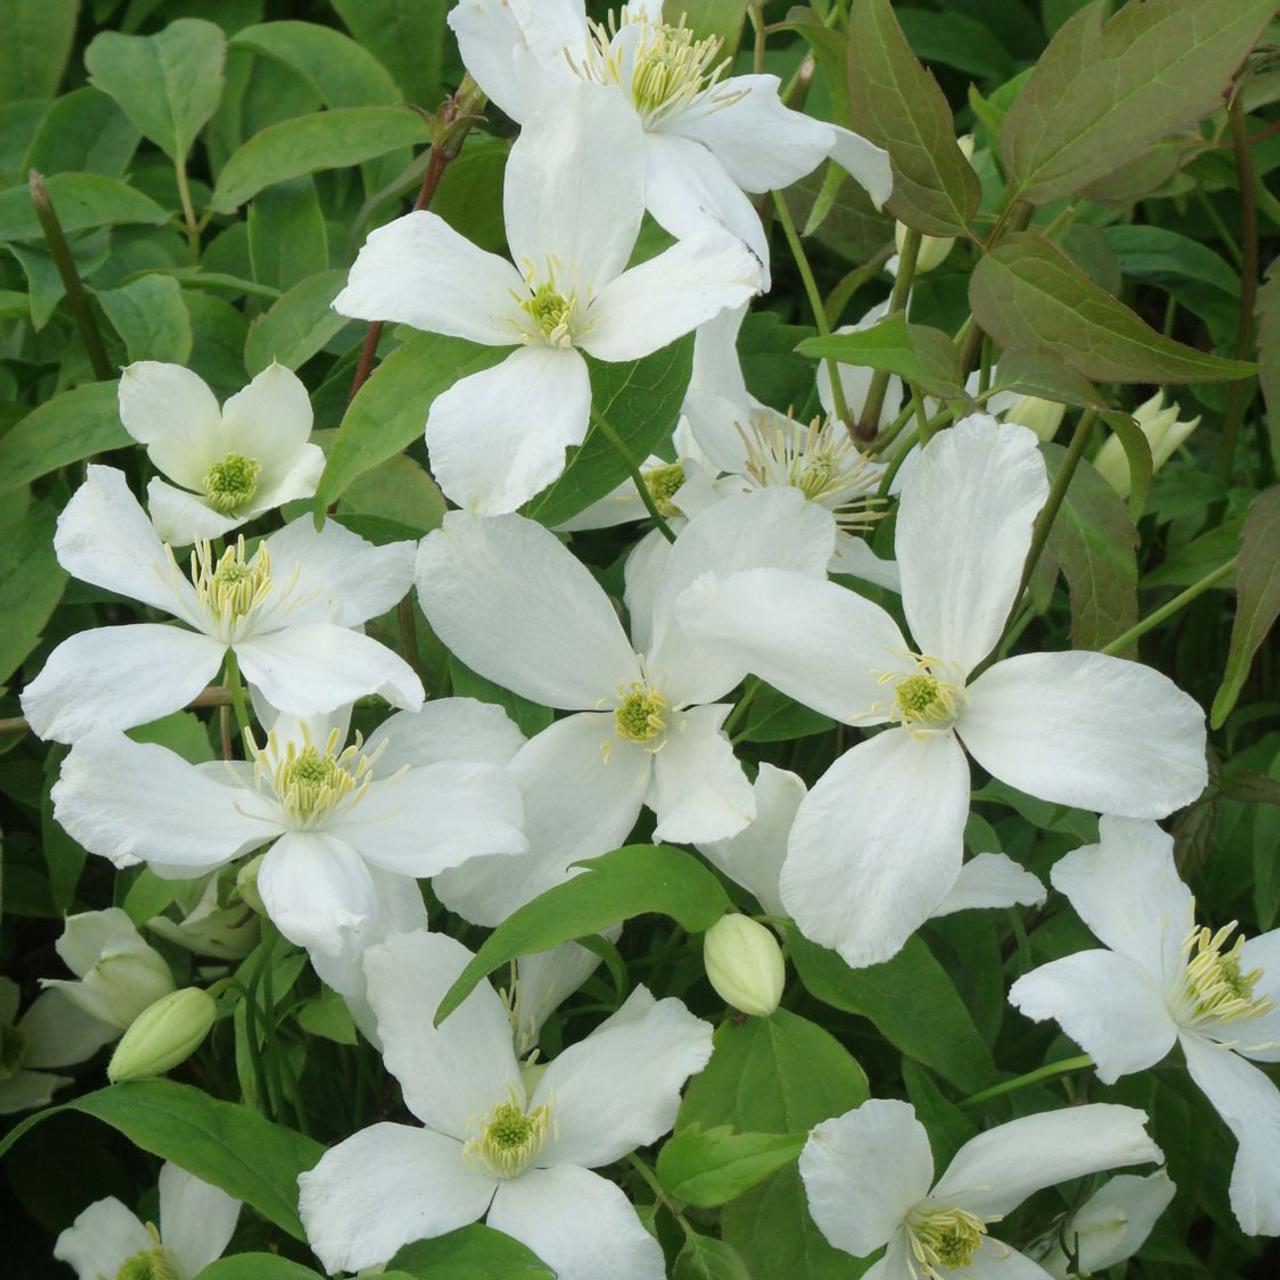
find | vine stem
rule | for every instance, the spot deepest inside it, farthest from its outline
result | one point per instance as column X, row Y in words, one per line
column 637, row 476
column 236, row 690
column 660, row 1193
column 188, row 209
column 215, row 695
column 1170, row 607
column 869, row 419
column 1062, row 1068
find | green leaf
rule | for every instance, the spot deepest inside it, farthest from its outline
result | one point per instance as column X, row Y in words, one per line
column 407, row 36
column 773, row 717
column 1036, row 372
column 916, row 353
column 288, row 242
column 231, row 1146
column 31, row 583
column 641, row 401
column 471, row 1253
column 81, row 201
column 342, row 73
column 897, row 104
column 706, row 1258
column 1268, row 312
column 709, row 1168
column 1156, row 253
column 335, row 139
column 150, row 316
column 256, row 1266
column 721, row 18
column 1027, row 293
column 35, row 46
column 168, row 84
column 73, row 425
column 1103, row 95
column 1257, row 598
column 631, row 881
column 298, row 325
column 83, row 132
column 1137, row 452
column 956, row 40
column 947, row 1125
column 912, row 1002
column 529, row 716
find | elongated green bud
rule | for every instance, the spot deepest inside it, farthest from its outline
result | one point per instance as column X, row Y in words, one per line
column 163, row 1035
column 744, row 963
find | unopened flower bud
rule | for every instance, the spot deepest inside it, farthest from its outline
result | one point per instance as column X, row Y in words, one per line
column 1044, row 417
column 163, row 1036
column 247, row 884
column 744, row 963
column 1164, row 433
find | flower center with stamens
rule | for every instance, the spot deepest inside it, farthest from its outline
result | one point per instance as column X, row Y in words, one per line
column 552, row 313
column 642, row 713
column 664, row 483
column 13, row 1051
column 923, row 701
column 312, row 783
column 1215, row 986
column 232, row 586
column 943, row 1238
column 151, row 1264
column 231, row 483
column 511, row 1138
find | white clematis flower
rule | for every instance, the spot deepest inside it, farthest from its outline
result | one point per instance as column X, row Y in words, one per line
column 494, row 1142
column 572, row 201
column 869, row 1179
column 515, row 605
column 338, row 818
column 708, row 138
column 108, row 1241
column 290, row 613
column 227, row 464
column 1162, row 978
column 1075, row 728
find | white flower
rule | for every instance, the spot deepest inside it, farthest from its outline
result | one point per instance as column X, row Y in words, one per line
column 515, row 605
column 708, row 137
column 52, row 1033
column 494, row 1141
column 117, row 973
column 1162, row 978
column 207, row 927
column 877, row 844
column 573, row 202
column 1164, row 433
column 196, row 1224
column 336, row 817
column 290, row 613
column 869, row 1179
column 228, row 465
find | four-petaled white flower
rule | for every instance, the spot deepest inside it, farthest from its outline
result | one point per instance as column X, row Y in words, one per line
column 877, row 844
column 1162, row 978
column 869, row 1179
column 290, row 613
column 228, row 465
column 573, row 201
column 708, row 138
column 517, row 1144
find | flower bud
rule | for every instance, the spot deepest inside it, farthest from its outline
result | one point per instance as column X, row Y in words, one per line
column 744, row 963
column 1164, row 434
column 247, row 884
column 164, row 1035
column 1044, row 417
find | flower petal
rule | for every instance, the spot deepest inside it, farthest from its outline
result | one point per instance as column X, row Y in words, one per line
column 197, row 1220
column 1262, row 952
column 1084, row 729
column 995, row 1260
column 27, row 1090
column 170, row 410
column 699, row 791
column 867, row 164
column 60, row 1034
column 445, row 729
column 1113, row 1224
column 964, row 529
column 101, row 1239
column 991, row 880
column 180, row 518
column 853, row 556
column 270, row 421
column 299, row 480
column 494, row 52
column 547, row 978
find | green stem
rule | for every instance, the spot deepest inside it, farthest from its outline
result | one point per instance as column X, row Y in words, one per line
column 886, row 480
column 749, row 691
column 922, row 415
column 1169, row 608
column 238, row 700
column 188, row 209
column 852, row 281
column 408, row 631
column 1224, row 232
column 1062, row 1068
column 637, row 476
column 869, row 419
column 660, row 1193
column 757, row 51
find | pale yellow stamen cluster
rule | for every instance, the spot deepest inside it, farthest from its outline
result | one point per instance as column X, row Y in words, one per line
column 232, row 586
column 155, row 1263
column 924, row 702
column 312, row 783
column 1215, row 986
column 231, row 483
column 940, row 1238
column 553, row 314
column 663, row 483
column 510, row 1139
column 642, row 713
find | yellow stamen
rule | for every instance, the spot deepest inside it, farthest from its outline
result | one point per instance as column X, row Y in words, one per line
column 943, row 1238
column 510, row 1139
column 641, row 713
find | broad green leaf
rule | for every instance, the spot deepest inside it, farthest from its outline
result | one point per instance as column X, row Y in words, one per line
column 1257, row 598
column 288, row 241
column 912, row 1001
column 218, row 332
column 333, row 139
column 1027, row 293
column 298, row 324
column 471, row 1253
column 956, row 40
column 84, row 132
column 708, row 1168
column 226, row 1144
column 773, row 717
column 256, row 1266
column 343, row 73
column 72, row 426
column 916, row 353
column 631, row 881
column 31, row 583
column 641, row 401
column 45, row 288
column 150, row 316
column 722, row 19
column 1035, row 372
column 35, row 43
column 1268, row 312
column 1104, row 94
column 1137, row 452
column 327, row 1015
column 949, row 1128
column 706, row 1258
column 168, row 84
column 469, row 197
column 407, row 37
column 390, row 411
column 528, row 716
column 1165, row 256
column 400, row 490
column 81, row 201
column 897, row 104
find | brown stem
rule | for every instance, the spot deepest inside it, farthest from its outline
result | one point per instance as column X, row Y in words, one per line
column 216, row 695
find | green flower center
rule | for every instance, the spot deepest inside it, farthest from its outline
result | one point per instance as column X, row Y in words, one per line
column 511, row 1138
column 672, row 68
column 916, row 695
column 311, row 782
column 642, row 713
column 944, row 1238
column 230, row 483
column 1215, row 985
column 552, row 312
column 663, row 484
column 13, row 1051
column 232, row 586
column 154, row 1264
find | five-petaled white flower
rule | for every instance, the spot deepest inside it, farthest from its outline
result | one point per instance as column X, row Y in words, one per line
column 290, row 613
column 573, row 200
column 869, row 1179
column 1163, row 978
column 519, row 1145
column 877, row 844
column 708, row 137
column 228, row 465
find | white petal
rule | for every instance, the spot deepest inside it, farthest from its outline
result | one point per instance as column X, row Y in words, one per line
column 551, row 26
column 666, row 297
column 699, row 791
column 867, row 164
column 580, row 1224
column 642, row 574
column 385, row 1187
column 820, row 644
column 419, row 271
column 498, row 437
column 1262, row 952
column 453, row 1075
column 482, row 583
column 1088, row 730
column 59, row 1034
column 197, row 1220
column 492, row 48
column 270, row 421
column 118, row 677
column 1108, row 1004
column 1114, row 1223
column 855, row 380
column 318, row 667
column 877, row 844
column 991, row 880
column 89, row 935
column 964, row 529
column 547, row 978
column 446, row 729
column 853, row 556
column 996, row 1171
column 180, row 518
column 1250, row 1104
column 995, row 1260
column 171, row 411
column 28, row 1090
column 101, row 1239
column 864, row 1171
column 299, row 480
